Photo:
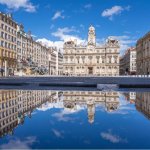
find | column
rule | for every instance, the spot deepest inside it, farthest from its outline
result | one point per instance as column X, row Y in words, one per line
column 5, row 68
column 1, row 65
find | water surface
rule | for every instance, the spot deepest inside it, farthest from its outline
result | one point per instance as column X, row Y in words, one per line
column 74, row 119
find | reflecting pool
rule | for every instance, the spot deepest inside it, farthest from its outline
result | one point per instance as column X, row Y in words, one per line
column 74, row 119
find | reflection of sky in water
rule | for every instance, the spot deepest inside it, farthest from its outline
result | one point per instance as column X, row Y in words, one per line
column 53, row 126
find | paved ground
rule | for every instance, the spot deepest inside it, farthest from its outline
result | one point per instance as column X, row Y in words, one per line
column 60, row 88
column 141, row 82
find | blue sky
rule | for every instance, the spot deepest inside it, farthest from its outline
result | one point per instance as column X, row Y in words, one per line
column 53, row 21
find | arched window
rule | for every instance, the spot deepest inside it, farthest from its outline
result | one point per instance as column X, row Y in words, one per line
column 71, row 58
column 115, row 59
column 90, row 57
column 109, row 60
column 112, row 59
column 83, row 59
column 97, row 57
column 103, row 60
column 78, row 60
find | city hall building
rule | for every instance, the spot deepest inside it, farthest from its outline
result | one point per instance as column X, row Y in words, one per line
column 91, row 59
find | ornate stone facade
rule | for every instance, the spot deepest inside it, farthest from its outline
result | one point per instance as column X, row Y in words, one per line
column 91, row 59
column 143, row 55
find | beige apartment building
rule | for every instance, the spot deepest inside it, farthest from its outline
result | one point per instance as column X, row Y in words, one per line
column 28, row 48
column 143, row 55
column 53, row 60
column 92, row 59
column 21, row 54
column 8, row 44
column 60, row 63
column 128, row 62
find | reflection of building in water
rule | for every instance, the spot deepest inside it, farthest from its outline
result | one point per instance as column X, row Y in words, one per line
column 15, row 105
column 8, row 111
column 143, row 103
column 91, row 110
column 130, row 96
column 91, row 98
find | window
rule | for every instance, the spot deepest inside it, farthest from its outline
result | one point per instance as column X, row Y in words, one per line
column 2, row 34
column 6, row 28
column 78, row 61
column 6, row 36
column 109, row 59
column 90, row 57
column 97, row 57
column 2, row 26
column 71, row 59
column 115, row 59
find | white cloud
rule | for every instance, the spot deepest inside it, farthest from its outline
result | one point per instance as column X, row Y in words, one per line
column 17, row 4
column 66, row 34
column 58, row 14
column 88, row 6
column 49, row 105
column 57, row 133
column 63, row 34
column 62, row 115
column 115, row 10
column 49, row 43
column 19, row 144
column 112, row 137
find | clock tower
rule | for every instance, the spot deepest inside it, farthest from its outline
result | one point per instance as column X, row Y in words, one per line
column 91, row 37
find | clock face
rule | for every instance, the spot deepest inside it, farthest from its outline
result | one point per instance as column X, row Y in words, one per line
column 91, row 32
